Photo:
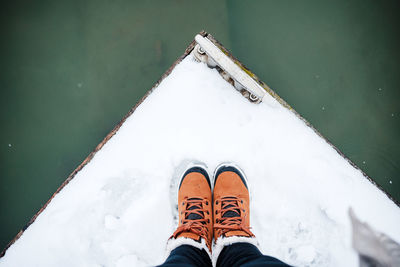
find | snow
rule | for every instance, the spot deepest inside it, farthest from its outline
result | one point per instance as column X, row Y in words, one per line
column 116, row 211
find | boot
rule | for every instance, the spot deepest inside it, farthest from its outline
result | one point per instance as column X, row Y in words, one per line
column 231, row 208
column 195, row 211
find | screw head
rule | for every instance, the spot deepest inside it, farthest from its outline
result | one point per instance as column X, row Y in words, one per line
column 200, row 50
column 253, row 98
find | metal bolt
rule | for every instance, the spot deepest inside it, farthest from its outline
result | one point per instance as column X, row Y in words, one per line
column 200, row 50
column 253, row 98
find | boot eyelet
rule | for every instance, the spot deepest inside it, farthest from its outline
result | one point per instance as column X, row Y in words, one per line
column 216, row 212
column 208, row 221
column 216, row 202
column 208, row 213
column 183, row 203
column 207, row 203
column 241, row 201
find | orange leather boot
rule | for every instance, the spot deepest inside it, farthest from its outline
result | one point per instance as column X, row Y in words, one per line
column 195, row 211
column 231, row 208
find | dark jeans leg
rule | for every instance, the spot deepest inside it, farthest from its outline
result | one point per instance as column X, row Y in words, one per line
column 245, row 254
column 187, row 255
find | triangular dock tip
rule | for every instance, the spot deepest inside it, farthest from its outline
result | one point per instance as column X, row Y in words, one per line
column 117, row 207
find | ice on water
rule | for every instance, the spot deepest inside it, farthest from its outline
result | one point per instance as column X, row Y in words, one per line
column 117, row 210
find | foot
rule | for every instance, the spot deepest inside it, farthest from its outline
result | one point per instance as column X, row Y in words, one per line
column 231, row 203
column 195, row 206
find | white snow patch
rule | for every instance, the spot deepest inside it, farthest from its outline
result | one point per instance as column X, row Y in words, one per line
column 116, row 211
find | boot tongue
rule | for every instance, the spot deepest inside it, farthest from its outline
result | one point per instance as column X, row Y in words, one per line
column 231, row 213
column 194, row 216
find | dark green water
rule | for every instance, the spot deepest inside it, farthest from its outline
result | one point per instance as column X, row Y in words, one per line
column 70, row 70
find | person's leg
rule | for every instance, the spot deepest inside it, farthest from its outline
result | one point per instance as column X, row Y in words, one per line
column 235, row 244
column 190, row 244
column 245, row 255
column 187, row 255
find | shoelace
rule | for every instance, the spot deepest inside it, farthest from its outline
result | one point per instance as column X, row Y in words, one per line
column 233, row 220
column 196, row 226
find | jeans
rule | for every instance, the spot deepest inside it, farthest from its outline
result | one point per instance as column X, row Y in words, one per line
column 238, row 254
